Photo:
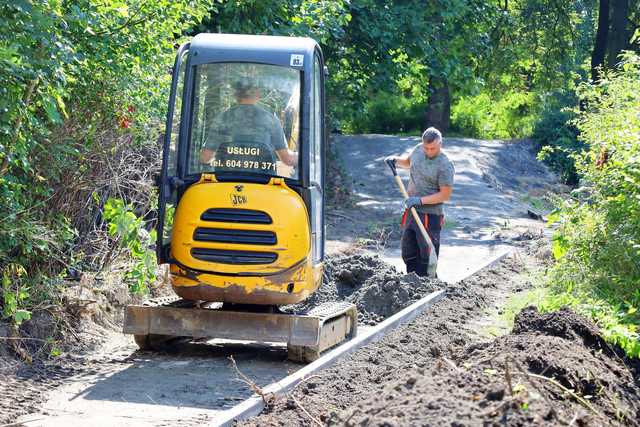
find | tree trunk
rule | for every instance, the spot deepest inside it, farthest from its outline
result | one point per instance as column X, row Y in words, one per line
column 620, row 33
column 438, row 110
column 600, row 45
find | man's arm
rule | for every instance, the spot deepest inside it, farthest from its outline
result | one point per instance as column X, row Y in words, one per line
column 403, row 162
column 288, row 157
column 441, row 196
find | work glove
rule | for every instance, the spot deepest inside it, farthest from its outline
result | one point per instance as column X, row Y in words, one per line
column 390, row 160
column 412, row 202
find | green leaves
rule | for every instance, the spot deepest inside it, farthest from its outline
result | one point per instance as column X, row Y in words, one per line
column 51, row 109
column 558, row 246
column 129, row 229
column 20, row 316
column 596, row 242
column 14, row 296
column 95, row 68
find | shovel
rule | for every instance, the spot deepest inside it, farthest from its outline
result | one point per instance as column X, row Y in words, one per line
column 433, row 258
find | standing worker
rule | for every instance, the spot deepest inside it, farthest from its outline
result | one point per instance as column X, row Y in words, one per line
column 430, row 185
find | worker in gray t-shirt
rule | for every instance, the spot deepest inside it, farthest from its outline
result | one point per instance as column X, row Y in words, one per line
column 430, row 184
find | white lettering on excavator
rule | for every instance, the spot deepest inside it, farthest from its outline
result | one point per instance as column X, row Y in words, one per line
column 244, row 151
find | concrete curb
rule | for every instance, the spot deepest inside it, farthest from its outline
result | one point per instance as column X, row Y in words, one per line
column 255, row 404
column 490, row 263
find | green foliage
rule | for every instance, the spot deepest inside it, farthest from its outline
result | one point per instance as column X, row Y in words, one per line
column 597, row 243
column 131, row 234
column 388, row 113
column 371, row 46
column 72, row 74
column 557, row 137
column 511, row 115
column 14, row 296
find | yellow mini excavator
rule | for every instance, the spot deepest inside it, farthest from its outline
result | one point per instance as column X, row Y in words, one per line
column 241, row 208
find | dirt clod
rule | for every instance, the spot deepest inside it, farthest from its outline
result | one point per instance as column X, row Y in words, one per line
column 563, row 323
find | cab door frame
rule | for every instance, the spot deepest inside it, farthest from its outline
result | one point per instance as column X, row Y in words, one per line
column 169, row 182
column 314, row 189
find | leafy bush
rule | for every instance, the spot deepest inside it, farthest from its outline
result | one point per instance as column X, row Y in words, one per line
column 14, row 297
column 597, row 243
column 470, row 116
column 131, row 234
column 508, row 115
column 388, row 113
column 557, row 138
column 74, row 76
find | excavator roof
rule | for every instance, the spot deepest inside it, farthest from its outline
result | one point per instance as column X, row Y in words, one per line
column 285, row 51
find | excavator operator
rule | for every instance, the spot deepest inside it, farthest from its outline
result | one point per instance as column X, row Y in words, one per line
column 247, row 129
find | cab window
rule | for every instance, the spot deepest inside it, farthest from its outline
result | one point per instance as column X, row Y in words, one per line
column 246, row 120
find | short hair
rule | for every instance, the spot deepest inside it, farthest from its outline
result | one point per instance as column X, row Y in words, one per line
column 245, row 87
column 431, row 134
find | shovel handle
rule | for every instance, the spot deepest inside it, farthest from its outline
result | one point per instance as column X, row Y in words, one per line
column 392, row 165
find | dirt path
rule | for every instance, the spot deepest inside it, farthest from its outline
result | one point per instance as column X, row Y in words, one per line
column 485, row 215
column 118, row 385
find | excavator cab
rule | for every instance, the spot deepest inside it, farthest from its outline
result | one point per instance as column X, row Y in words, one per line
column 241, row 206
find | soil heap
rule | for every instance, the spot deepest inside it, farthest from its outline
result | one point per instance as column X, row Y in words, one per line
column 553, row 369
column 375, row 287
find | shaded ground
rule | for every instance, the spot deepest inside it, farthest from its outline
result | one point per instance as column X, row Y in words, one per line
column 553, row 369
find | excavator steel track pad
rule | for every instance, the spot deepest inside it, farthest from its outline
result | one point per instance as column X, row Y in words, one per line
column 306, row 334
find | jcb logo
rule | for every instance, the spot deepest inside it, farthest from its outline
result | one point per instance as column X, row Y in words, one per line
column 238, row 199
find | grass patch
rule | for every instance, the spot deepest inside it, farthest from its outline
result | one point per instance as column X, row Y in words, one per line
column 516, row 302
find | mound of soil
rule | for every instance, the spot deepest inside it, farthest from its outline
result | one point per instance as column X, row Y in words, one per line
column 563, row 323
column 550, row 370
column 553, row 369
column 375, row 287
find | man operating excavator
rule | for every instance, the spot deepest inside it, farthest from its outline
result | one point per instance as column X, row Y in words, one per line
column 247, row 129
